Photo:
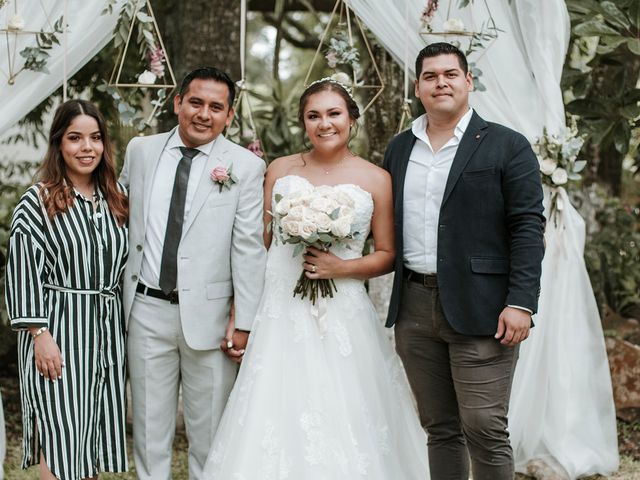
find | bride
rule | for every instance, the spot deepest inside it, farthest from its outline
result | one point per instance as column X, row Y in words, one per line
column 321, row 394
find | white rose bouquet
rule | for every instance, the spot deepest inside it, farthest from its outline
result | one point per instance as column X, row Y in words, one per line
column 318, row 217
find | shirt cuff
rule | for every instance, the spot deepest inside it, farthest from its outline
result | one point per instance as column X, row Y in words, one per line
column 24, row 323
column 530, row 312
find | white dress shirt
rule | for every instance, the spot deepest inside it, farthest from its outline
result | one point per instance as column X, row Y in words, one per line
column 160, row 201
column 424, row 185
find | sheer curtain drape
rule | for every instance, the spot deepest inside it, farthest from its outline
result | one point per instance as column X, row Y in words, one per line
column 88, row 33
column 562, row 416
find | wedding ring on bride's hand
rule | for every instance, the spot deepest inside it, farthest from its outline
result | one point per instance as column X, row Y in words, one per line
column 229, row 344
column 313, row 269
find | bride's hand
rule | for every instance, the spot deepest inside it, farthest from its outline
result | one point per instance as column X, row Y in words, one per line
column 319, row 264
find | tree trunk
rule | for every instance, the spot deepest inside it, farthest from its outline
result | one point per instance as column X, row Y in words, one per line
column 381, row 124
column 198, row 33
column 382, row 118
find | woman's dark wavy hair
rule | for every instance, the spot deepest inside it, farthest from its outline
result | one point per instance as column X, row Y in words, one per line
column 57, row 188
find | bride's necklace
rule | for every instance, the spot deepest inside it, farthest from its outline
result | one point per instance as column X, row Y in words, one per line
column 335, row 166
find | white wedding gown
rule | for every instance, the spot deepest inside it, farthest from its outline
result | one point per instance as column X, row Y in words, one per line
column 318, row 400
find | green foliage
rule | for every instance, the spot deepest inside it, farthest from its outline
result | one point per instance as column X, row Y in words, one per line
column 612, row 255
column 15, row 180
column 602, row 77
column 35, row 58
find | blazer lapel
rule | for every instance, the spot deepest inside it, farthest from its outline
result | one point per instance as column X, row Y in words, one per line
column 151, row 165
column 216, row 157
column 473, row 135
column 401, row 169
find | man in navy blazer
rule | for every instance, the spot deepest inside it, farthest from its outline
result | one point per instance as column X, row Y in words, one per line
column 469, row 227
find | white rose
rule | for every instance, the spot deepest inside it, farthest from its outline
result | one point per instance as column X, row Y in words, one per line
column 347, row 212
column 341, row 227
column 295, row 212
column 307, row 229
column 547, row 166
column 308, row 214
column 283, row 206
column 295, row 201
column 16, row 22
column 331, row 207
column 341, row 77
column 320, row 204
column 559, row 176
column 324, row 191
column 291, row 227
column 453, row 25
column 344, row 199
column 323, row 222
column 147, row 78
column 296, row 195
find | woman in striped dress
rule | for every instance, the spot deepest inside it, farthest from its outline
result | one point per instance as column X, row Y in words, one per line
column 67, row 252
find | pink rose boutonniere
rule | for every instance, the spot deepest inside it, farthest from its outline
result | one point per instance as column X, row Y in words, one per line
column 223, row 176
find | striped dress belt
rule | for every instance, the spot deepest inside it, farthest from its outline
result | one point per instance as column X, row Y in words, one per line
column 105, row 292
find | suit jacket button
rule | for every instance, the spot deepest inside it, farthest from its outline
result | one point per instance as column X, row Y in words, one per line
column 139, row 248
column 134, row 277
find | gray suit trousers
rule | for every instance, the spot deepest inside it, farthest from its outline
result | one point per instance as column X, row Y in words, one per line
column 161, row 362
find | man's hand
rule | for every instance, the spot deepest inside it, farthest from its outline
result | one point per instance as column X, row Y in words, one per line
column 513, row 326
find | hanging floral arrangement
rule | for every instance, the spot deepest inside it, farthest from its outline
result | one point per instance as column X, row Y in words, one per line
column 559, row 165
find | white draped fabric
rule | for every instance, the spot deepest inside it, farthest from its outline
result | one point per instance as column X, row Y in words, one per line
column 521, row 69
column 88, row 33
column 562, row 410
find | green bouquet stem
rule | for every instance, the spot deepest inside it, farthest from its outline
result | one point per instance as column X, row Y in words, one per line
column 308, row 287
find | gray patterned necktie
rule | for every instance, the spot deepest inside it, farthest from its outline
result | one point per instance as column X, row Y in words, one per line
column 169, row 265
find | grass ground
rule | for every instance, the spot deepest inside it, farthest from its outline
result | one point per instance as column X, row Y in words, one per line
column 629, row 461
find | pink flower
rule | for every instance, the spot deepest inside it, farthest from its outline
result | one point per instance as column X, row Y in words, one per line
column 220, row 174
column 255, row 148
column 429, row 11
column 223, row 177
column 156, row 58
column 332, row 59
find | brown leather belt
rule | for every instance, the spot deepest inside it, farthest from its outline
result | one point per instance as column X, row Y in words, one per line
column 152, row 292
column 430, row 280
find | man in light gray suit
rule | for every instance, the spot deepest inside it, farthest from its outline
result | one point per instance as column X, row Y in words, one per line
column 195, row 240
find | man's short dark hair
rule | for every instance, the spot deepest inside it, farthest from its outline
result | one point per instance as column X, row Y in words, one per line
column 440, row 48
column 209, row 73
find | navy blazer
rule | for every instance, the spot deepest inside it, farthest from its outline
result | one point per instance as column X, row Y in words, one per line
column 490, row 229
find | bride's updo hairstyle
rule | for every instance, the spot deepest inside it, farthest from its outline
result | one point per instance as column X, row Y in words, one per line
column 328, row 84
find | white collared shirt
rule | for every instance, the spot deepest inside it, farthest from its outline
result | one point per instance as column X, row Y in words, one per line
column 160, row 200
column 424, row 185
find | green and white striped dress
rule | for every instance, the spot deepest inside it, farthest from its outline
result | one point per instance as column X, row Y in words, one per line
column 66, row 273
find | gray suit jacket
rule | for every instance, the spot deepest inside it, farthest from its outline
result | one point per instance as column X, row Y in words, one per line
column 221, row 253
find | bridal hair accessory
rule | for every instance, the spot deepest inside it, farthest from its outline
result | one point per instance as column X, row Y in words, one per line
column 340, row 79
